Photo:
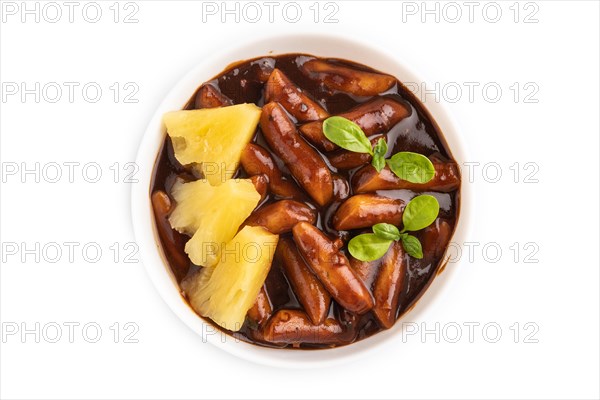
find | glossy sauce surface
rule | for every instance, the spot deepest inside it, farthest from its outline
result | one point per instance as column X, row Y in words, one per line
column 244, row 83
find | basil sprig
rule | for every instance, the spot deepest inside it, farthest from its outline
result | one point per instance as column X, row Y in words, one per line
column 350, row 136
column 419, row 213
column 379, row 151
column 369, row 246
column 411, row 167
column 386, row 231
column 347, row 135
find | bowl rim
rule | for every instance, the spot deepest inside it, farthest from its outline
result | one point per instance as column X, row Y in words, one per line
column 144, row 229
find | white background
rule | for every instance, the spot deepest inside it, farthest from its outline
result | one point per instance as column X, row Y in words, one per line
column 559, row 294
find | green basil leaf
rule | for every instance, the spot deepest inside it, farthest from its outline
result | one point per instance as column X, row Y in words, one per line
column 412, row 246
column 347, row 135
column 368, row 247
column 378, row 163
column 379, row 152
column 420, row 212
column 411, row 167
column 386, row 231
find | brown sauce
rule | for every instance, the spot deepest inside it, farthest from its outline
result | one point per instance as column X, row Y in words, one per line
column 418, row 133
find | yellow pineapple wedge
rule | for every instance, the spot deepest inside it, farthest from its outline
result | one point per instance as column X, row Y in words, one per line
column 211, row 215
column 226, row 292
column 212, row 137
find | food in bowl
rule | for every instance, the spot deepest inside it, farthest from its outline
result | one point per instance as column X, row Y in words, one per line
column 303, row 202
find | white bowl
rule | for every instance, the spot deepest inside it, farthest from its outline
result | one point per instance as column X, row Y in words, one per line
column 143, row 221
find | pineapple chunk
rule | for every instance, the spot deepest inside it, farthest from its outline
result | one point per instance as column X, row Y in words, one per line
column 211, row 215
column 226, row 292
column 213, row 137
